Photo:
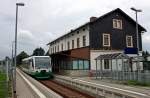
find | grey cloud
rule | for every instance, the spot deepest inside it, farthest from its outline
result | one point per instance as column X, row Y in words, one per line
column 41, row 21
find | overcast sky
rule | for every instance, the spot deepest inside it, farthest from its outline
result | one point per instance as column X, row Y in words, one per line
column 41, row 21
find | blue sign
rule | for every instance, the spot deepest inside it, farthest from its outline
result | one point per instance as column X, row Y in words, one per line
column 130, row 50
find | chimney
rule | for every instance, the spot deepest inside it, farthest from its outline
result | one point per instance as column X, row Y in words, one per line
column 92, row 18
column 71, row 30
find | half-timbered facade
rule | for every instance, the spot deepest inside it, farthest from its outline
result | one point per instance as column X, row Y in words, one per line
column 110, row 33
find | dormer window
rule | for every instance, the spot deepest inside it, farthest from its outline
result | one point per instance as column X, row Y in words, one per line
column 117, row 23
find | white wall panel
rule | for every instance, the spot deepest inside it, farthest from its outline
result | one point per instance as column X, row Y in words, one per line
column 71, row 37
column 96, row 53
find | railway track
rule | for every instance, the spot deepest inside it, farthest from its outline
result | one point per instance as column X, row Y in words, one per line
column 63, row 90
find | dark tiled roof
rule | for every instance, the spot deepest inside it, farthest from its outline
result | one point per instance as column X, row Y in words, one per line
column 101, row 17
column 112, row 56
column 71, row 31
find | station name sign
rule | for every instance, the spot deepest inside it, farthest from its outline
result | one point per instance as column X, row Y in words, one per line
column 130, row 50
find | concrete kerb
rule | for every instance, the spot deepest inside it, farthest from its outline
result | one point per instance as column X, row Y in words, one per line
column 115, row 90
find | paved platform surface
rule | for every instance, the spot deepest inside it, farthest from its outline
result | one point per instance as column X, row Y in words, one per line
column 22, row 89
column 28, row 87
column 143, row 90
column 106, row 83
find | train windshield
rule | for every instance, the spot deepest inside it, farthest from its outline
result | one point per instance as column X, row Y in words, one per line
column 42, row 62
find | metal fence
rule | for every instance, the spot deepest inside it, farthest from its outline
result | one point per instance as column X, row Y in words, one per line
column 124, row 76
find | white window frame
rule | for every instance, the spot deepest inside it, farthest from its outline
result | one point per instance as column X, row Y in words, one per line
column 108, row 40
column 116, row 21
column 127, row 41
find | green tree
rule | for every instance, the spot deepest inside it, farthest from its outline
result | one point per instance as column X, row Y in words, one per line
column 38, row 52
column 145, row 54
column 146, row 63
column 21, row 56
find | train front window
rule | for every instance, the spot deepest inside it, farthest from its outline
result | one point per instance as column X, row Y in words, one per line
column 42, row 62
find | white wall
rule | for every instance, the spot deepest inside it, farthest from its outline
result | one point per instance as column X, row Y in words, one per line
column 148, row 58
column 96, row 53
column 71, row 37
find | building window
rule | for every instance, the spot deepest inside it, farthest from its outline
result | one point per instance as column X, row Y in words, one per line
column 72, row 44
column 106, row 64
column 84, row 41
column 78, row 42
column 68, row 45
column 51, row 50
column 80, row 65
column 129, row 41
column 58, row 48
column 62, row 47
column 106, row 39
column 55, row 48
column 117, row 23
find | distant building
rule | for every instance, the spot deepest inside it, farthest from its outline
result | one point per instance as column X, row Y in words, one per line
column 75, row 52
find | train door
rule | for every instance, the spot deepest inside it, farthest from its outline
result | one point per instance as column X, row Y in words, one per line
column 31, row 65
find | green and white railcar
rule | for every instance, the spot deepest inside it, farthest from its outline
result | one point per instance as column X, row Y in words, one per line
column 38, row 67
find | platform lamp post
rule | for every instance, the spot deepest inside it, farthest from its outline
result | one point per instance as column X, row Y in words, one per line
column 137, row 35
column 17, row 5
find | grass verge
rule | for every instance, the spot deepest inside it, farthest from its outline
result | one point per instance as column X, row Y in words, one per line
column 3, row 86
column 137, row 83
column 2, row 77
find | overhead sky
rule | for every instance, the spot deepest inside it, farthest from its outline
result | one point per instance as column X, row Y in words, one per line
column 41, row 21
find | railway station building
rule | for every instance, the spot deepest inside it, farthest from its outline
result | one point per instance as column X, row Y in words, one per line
column 75, row 52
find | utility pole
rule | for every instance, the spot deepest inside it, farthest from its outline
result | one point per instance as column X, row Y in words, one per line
column 16, row 24
column 137, row 35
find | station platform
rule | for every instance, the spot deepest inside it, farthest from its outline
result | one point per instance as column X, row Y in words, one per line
column 92, row 84
column 28, row 87
column 109, row 83
column 22, row 89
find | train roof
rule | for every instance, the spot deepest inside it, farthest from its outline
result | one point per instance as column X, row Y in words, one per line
column 31, row 57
